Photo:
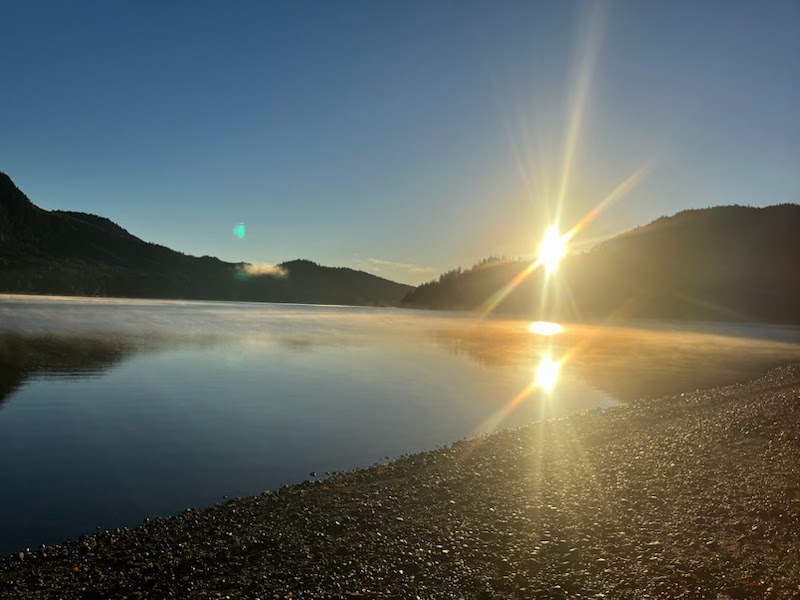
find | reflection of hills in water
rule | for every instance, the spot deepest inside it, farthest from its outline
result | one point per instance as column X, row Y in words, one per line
column 628, row 363
column 24, row 356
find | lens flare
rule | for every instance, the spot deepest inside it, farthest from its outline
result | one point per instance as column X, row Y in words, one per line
column 547, row 374
column 239, row 230
column 545, row 328
column 552, row 249
column 537, row 177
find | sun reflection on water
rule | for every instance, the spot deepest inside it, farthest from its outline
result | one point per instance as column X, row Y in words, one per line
column 545, row 328
column 547, row 373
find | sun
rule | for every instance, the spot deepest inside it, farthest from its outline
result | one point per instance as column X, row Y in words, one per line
column 552, row 249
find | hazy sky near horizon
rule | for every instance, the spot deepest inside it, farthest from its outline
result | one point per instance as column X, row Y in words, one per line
column 403, row 137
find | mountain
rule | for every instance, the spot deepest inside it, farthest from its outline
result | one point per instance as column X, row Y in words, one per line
column 723, row 263
column 61, row 252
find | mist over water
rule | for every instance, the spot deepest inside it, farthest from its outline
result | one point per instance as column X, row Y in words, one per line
column 115, row 410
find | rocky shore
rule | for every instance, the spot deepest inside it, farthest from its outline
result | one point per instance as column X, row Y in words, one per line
column 692, row 496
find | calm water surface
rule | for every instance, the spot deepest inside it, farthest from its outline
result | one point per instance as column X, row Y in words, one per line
column 114, row 410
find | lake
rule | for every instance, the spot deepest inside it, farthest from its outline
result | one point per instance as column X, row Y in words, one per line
column 115, row 410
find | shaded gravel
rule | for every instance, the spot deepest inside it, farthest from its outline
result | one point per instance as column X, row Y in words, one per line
column 693, row 496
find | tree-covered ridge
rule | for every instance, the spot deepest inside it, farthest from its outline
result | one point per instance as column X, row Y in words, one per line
column 721, row 263
column 465, row 289
column 62, row 252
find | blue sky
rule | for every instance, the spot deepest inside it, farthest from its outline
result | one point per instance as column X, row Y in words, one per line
column 404, row 138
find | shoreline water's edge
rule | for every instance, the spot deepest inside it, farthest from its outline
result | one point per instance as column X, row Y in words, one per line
column 694, row 496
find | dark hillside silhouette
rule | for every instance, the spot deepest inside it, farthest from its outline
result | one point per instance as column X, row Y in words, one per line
column 60, row 252
column 724, row 263
column 465, row 289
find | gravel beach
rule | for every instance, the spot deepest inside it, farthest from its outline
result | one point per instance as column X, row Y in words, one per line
column 691, row 496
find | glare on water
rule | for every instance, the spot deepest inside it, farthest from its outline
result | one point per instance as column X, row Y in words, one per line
column 545, row 328
column 547, row 374
column 172, row 404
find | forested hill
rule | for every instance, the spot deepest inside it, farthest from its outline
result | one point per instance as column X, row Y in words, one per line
column 722, row 263
column 59, row 252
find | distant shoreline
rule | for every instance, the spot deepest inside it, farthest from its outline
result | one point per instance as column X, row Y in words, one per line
column 644, row 322
column 143, row 299
column 696, row 495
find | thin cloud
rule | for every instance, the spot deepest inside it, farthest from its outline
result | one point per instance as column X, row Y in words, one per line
column 263, row 269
